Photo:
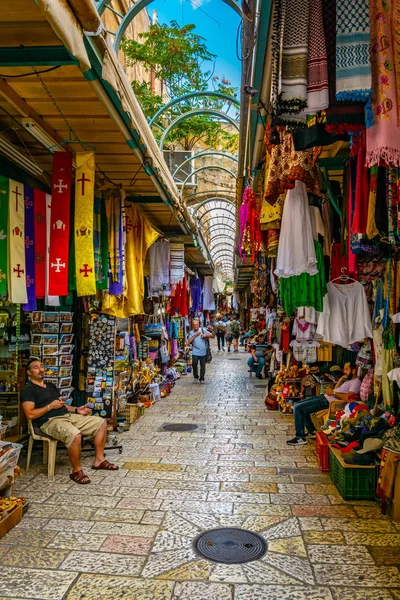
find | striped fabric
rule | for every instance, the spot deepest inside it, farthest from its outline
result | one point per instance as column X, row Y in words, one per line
column 177, row 262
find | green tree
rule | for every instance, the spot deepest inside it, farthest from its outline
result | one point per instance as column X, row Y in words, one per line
column 177, row 56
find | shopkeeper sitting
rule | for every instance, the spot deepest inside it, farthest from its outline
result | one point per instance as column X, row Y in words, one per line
column 47, row 411
column 347, row 386
column 259, row 349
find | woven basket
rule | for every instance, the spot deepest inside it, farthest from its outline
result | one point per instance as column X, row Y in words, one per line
column 130, row 413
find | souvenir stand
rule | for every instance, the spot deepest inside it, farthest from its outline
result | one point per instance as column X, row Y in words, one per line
column 320, row 221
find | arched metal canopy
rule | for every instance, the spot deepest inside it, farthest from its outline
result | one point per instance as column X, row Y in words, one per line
column 224, row 200
column 225, row 210
column 204, row 168
column 203, row 155
column 126, row 19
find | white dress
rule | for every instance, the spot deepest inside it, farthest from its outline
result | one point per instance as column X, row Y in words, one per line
column 296, row 252
column 345, row 318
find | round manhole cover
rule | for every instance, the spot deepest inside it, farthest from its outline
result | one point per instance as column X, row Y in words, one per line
column 180, row 427
column 230, row 545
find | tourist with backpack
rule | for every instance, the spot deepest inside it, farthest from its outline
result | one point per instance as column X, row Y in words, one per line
column 235, row 331
column 220, row 329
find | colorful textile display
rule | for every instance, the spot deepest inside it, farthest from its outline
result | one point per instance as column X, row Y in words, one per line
column 39, row 208
column 16, row 236
column 4, row 195
column 296, row 252
column 329, row 18
column 195, row 292
column 83, row 224
column 29, row 249
column 383, row 139
column 360, row 218
column 100, row 240
column 287, row 166
column 112, row 200
column 249, row 217
column 179, row 301
column 177, row 262
column 317, row 87
column 49, row 299
column 159, row 267
column 60, row 224
column 353, row 68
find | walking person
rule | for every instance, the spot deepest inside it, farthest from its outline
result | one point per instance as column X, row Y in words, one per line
column 228, row 334
column 198, row 337
column 220, row 330
column 235, row 331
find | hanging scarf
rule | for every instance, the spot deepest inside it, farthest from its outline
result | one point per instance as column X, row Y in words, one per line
column 60, row 224
column 112, row 201
column 83, row 224
column 317, row 88
column 383, row 139
column 360, row 219
column 329, row 16
column 29, row 249
column 353, row 68
column 16, row 235
column 100, row 239
column 4, row 194
column 250, row 228
column 177, row 263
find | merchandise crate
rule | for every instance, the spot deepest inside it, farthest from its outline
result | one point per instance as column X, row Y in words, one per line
column 353, row 482
column 322, row 449
column 130, row 413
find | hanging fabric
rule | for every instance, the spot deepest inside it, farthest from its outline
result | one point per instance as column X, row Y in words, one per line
column 60, row 224
column 112, row 202
column 30, row 249
column 317, row 86
column 250, row 227
column 159, row 267
column 100, row 239
column 83, row 224
column 16, row 235
column 49, row 299
column 353, row 68
column 208, row 298
column 39, row 208
column 4, row 195
column 177, row 262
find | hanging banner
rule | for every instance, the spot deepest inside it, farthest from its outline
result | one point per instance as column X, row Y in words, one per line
column 4, row 194
column 100, row 239
column 84, row 208
column 60, row 224
column 29, row 249
column 16, row 240
column 39, row 208
column 48, row 299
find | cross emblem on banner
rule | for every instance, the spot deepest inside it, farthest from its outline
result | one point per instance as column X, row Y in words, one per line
column 38, row 258
column 2, row 275
column 28, row 203
column 83, row 179
column 28, row 242
column 29, row 281
column 39, row 218
column 59, row 186
column 18, row 271
column 17, row 193
column 86, row 270
column 128, row 225
column 58, row 265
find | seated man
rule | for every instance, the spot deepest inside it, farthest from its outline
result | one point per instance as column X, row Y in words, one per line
column 44, row 407
column 347, row 386
column 256, row 361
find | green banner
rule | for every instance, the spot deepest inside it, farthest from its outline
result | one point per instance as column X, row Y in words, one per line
column 4, row 189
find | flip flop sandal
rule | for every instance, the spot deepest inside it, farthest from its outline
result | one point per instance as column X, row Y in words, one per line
column 106, row 466
column 79, row 477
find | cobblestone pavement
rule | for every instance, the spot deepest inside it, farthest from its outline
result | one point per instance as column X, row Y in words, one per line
column 129, row 534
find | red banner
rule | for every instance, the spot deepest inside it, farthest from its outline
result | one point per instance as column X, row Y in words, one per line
column 59, row 224
column 39, row 207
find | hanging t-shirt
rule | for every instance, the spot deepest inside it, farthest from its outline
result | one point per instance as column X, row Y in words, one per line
column 324, row 352
column 302, row 330
column 305, row 351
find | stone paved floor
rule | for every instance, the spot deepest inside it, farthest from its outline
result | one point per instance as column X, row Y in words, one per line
column 129, row 534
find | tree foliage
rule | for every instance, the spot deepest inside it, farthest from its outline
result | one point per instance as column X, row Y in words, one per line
column 178, row 57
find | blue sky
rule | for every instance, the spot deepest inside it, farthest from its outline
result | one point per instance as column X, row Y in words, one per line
column 215, row 21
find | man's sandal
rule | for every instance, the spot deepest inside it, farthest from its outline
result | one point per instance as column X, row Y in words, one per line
column 106, row 466
column 79, row 477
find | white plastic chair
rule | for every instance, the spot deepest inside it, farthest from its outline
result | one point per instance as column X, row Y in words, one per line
column 49, row 450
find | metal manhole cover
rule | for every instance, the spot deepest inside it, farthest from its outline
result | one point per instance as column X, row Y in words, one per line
column 180, row 427
column 230, row 545
column 235, row 358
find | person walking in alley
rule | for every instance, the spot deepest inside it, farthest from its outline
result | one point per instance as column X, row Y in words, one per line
column 198, row 337
column 235, row 332
column 220, row 329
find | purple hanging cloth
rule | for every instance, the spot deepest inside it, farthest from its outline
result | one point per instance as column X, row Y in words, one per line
column 195, row 291
column 116, row 287
column 29, row 250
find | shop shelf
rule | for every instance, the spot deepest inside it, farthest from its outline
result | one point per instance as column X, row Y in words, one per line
column 353, row 482
column 322, row 449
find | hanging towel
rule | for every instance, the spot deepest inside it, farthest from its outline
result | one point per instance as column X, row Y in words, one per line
column 353, row 68
column 177, row 262
column 159, row 267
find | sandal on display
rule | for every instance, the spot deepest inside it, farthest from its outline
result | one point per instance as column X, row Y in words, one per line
column 106, row 466
column 79, row 477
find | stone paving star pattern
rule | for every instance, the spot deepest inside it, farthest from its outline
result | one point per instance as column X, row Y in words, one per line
column 129, row 534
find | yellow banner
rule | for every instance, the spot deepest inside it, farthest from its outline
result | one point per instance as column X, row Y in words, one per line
column 83, row 224
column 16, row 240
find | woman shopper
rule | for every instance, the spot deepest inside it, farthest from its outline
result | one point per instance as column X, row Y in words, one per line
column 198, row 337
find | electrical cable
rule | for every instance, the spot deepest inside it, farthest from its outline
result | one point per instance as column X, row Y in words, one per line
column 29, row 74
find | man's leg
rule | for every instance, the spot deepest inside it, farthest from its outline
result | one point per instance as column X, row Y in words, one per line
column 320, row 404
column 260, row 366
column 202, row 367
column 74, row 453
column 99, row 442
column 251, row 364
column 223, row 341
column 195, row 367
column 302, row 411
column 219, row 341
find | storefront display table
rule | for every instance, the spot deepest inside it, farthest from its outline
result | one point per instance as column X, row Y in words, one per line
column 353, row 482
column 322, row 449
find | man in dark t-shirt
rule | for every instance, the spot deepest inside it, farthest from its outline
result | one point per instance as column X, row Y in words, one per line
column 43, row 406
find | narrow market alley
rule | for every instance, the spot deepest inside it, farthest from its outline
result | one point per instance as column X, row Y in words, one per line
column 130, row 534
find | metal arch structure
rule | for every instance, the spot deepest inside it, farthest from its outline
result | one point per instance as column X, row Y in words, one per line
column 193, row 113
column 126, row 19
column 212, row 167
column 202, row 155
column 225, row 226
column 224, row 200
column 212, row 248
column 194, row 199
column 225, row 210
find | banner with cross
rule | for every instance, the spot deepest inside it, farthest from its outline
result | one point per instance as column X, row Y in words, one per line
column 39, row 211
column 60, row 223
column 16, row 237
column 4, row 195
column 84, row 225
column 29, row 249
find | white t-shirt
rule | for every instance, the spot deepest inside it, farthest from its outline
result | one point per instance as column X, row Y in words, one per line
column 352, row 385
column 302, row 330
